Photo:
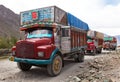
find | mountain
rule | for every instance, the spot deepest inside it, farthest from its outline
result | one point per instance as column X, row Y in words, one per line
column 9, row 22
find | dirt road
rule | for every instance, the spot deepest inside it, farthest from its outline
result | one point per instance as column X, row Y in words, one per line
column 10, row 73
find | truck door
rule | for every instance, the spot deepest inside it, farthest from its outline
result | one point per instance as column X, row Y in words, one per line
column 65, row 39
column 57, row 35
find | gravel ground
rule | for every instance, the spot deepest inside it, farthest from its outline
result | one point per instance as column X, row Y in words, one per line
column 104, row 67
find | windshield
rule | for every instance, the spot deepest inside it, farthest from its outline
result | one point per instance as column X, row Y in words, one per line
column 39, row 33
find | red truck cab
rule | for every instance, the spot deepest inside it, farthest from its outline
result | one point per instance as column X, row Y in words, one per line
column 91, row 48
column 90, row 45
column 40, row 38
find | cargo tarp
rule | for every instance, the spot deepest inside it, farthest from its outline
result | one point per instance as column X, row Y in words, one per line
column 108, row 38
column 75, row 22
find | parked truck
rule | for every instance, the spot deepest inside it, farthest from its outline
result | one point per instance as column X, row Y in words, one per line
column 110, row 43
column 51, row 35
column 94, row 42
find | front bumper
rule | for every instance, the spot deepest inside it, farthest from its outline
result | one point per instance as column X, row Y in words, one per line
column 30, row 61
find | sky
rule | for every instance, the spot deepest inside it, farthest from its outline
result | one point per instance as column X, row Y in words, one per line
column 100, row 15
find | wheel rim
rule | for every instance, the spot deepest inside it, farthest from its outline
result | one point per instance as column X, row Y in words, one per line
column 57, row 65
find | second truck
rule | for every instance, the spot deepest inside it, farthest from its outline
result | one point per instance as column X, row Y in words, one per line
column 50, row 35
column 94, row 42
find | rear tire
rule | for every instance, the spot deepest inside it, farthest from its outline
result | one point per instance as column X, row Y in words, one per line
column 24, row 66
column 94, row 52
column 100, row 51
column 114, row 48
column 79, row 57
column 55, row 67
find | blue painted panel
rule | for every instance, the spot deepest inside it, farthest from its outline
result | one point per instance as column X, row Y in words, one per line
column 43, row 15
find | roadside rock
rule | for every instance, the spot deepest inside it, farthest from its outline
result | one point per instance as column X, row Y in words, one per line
column 73, row 79
column 100, row 70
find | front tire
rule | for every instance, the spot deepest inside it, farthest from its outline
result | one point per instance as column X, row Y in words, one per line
column 24, row 66
column 55, row 67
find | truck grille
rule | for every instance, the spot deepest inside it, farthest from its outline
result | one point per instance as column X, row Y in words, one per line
column 25, row 50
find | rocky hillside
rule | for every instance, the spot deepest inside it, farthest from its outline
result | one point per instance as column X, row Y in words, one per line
column 9, row 22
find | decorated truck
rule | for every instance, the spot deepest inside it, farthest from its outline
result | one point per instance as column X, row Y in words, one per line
column 94, row 42
column 110, row 43
column 50, row 35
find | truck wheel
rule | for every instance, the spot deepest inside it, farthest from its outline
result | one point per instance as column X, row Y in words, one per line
column 100, row 51
column 94, row 52
column 114, row 48
column 55, row 67
column 24, row 66
column 79, row 57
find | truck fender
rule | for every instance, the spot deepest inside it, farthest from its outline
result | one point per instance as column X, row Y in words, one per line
column 56, row 51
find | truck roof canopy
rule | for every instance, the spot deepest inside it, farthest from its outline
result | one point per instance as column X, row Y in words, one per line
column 51, row 14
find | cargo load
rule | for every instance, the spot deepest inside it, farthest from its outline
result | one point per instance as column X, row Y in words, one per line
column 109, row 39
column 95, row 34
column 75, row 22
column 49, row 15
column 91, row 34
column 99, row 35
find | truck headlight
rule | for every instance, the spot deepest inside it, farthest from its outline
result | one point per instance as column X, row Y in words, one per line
column 41, row 54
column 13, row 53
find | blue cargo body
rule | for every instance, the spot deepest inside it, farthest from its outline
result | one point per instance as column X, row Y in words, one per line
column 75, row 22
